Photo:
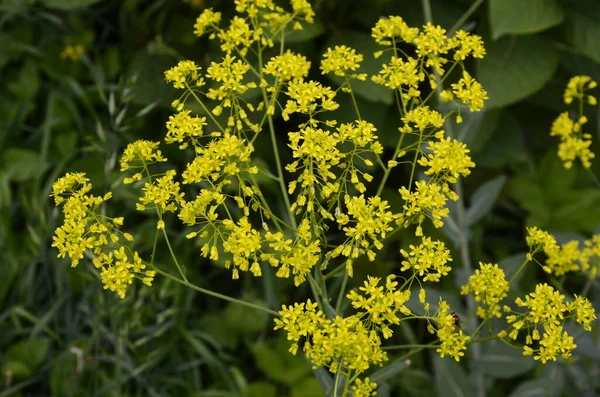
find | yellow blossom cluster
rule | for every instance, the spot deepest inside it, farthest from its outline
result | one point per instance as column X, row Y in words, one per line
column 85, row 229
column 366, row 224
column 429, row 259
column 427, row 201
column 308, row 97
column 568, row 257
column 453, row 340
column 490, row 287
column 288, row 66
column 184, row 129
column 338, row 343
column 574, row 143
column 543, row 321
column 341, row 60
column 379, row 306
column 448, row 159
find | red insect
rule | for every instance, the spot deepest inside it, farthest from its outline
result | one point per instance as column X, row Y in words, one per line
column 456, row 319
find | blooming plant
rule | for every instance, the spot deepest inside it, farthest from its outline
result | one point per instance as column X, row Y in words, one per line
column 331, row 185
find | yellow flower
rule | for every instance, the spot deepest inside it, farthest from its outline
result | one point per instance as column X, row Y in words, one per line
column 490, row 287
column 583, row 311
column 307, row 97
column 380, row 306
column 72, row 52
column 402, row 75
column 428, row 200
column 229, row 75
column 243, row 242
column 422, row 117
column 448, row 159
column 470, row 92
column 430, row 258
column 287, row 67
column 185, row 73
column 341, row 60
column 163, row 192
column 453, row 339
column 182, row 127
column 364, row 388
column 576, row 88
column 387, row 30
column 140, row 154
column 207, row 21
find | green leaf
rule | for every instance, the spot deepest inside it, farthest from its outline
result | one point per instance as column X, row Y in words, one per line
column 279, row 364
column 364, row 44
column 30, row 354
column 477, row 128
column 309, row 387
column 555, row 179
column 260, row 389
column 582, row 33
column 450, row 378
column 244, row 321
column 511, row 264
column 523, row 17
column 69, row 4
column 22, row 164
column 502, row 361
column 533, row 388
column 483, row 199
column 505, row 139
column 530, row 196
column 325, row 379
column 515, row 68
column 27, row 82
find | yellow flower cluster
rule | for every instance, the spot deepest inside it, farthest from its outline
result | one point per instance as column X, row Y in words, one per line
column 378, row 306
column 300, row 256
column 364, row 388
column 337, row 344
column 308, row 97
column 490, row 287
column 72, row 52
column 453, row 340
column 367, row 221
column 184, row 129
column 565, row 258
column 574, row 143
column 547, row 312
column 86, row 229
column 428, row 200
column 341, row 60
column 288, row 66
column 185, row 74
column 429, row 259
column 448, row 159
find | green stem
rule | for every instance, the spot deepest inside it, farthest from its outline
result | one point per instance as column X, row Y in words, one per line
column 465, row 16
column 594, row 177
column 400, row 347
column 518, row 271
column 338, row 304
column 482, row 339
column 215, row 294
column 388, row 170
column 173, row 256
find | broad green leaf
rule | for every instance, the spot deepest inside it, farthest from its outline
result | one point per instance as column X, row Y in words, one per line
column 260, row 389
column 148, row 71
column 484, row 198
column 523, row 17
column 27, row 82
column 482, row 132
column 530, row 196
column 505, row 147
column 244, row 321
column 309, row 387
column 533, row 388
column 515, row 68
column 450, row 378
column 278, row 364
column 69, row 4
column 582, row 33
column 555, row 179
column 31, row 353
column 502, row 361
column 364, row 44
column 22, row 164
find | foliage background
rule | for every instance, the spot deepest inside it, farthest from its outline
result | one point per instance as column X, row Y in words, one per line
column 62, row 335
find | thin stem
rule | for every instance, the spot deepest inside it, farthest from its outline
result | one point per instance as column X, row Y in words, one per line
column 594, row 177
column 215, row 294
column 173, row 256
column 518, row 271
column 338, row 304
column 483, row 339
column 400, row 347
column 388, row 170
column 465, row 16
